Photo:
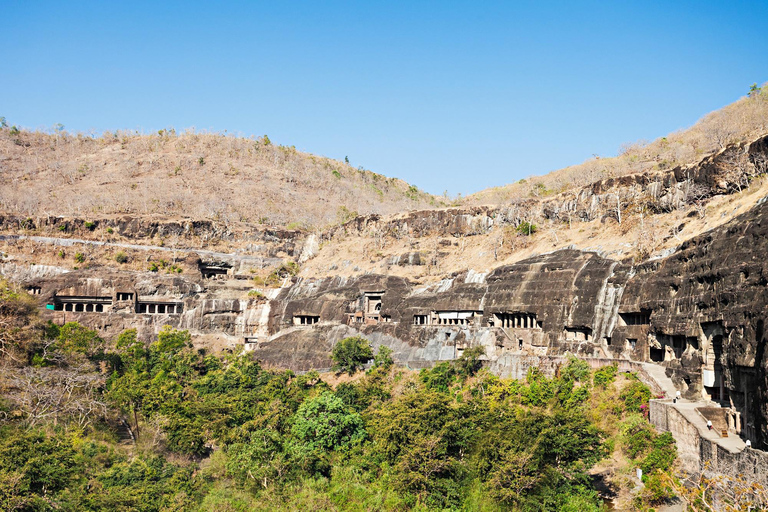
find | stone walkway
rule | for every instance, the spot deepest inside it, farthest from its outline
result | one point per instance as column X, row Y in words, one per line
column 687, row 408
column 659, row 375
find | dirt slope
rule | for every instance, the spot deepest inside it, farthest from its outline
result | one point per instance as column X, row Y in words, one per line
column 195, row 175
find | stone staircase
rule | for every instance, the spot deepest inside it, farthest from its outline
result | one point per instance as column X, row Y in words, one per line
column 124, row 432
column 659, row 375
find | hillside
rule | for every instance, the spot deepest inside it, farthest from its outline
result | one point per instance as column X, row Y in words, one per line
column 742, row 120
column 233, row 180
column 173, row 308
column 165, row 427
column 196, row 175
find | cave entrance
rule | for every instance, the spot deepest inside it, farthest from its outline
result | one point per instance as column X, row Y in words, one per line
column 306, row 319
column 657, row 354
column 372, row 303
column 718, row 392
column 214, row 270
column 642, row 317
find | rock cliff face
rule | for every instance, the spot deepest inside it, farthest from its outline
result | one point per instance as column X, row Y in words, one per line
column 266, row 241
column 725, row 172
column 219, row 312
column 708, row 303
column 699, row 312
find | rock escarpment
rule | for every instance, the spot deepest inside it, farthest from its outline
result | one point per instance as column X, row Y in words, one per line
column 728, row 171
column 699, row 312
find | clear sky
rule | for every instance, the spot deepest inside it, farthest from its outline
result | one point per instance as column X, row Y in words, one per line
column 455, row 96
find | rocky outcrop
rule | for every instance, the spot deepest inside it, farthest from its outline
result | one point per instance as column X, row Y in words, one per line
column 699, row 312
column 266, row 241
column 660, row 191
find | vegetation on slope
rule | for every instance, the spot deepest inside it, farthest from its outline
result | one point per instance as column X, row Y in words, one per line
column 739, row 121
column 198, row 175
column 219, row 432
column 234, row 179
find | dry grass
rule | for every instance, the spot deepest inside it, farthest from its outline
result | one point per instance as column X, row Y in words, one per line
column 197, row 175
column 635, row 239
column 249, row 180
column 738, row 121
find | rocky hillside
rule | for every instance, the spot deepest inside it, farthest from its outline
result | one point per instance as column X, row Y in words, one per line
column 201, row 176
column 242, row 184
column 632, row 217
column 742, row 120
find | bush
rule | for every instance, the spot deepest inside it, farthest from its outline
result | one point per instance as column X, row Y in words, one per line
column 656, row 490
column 605, row 375
column 438, row 378
column 121, row 257
column 74, row 337
column 576, row 369
column 662, row 454
column 469, row 363
column 383, row 358
column 526, row 228
column 350, row 354
column 284, row 271
column 79, row 257
column 635, row 395
column 90, row 226
column 325, row 423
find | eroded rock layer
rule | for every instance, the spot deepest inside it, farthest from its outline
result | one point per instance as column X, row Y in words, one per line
column 698, row 312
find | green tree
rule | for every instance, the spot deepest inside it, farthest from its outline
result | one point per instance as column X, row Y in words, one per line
column 350, row 354
column 440, row 377
column 261, row 459
column 33, row 468
column 526, row 228
column 468, row 364
column 74, row 337
column 325, row 423
column 383, row 358
column 170, row 340
column 422, row 436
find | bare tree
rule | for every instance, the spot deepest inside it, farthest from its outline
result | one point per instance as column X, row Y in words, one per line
column 52, row 394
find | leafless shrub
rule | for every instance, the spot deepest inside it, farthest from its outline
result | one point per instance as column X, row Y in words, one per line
column 161, row 173
column 56, row 393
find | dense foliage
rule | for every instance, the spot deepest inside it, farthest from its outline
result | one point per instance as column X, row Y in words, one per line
column 219, row 432
column 350, row 354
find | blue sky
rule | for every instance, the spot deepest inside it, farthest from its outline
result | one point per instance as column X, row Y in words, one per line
column 455, row 96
